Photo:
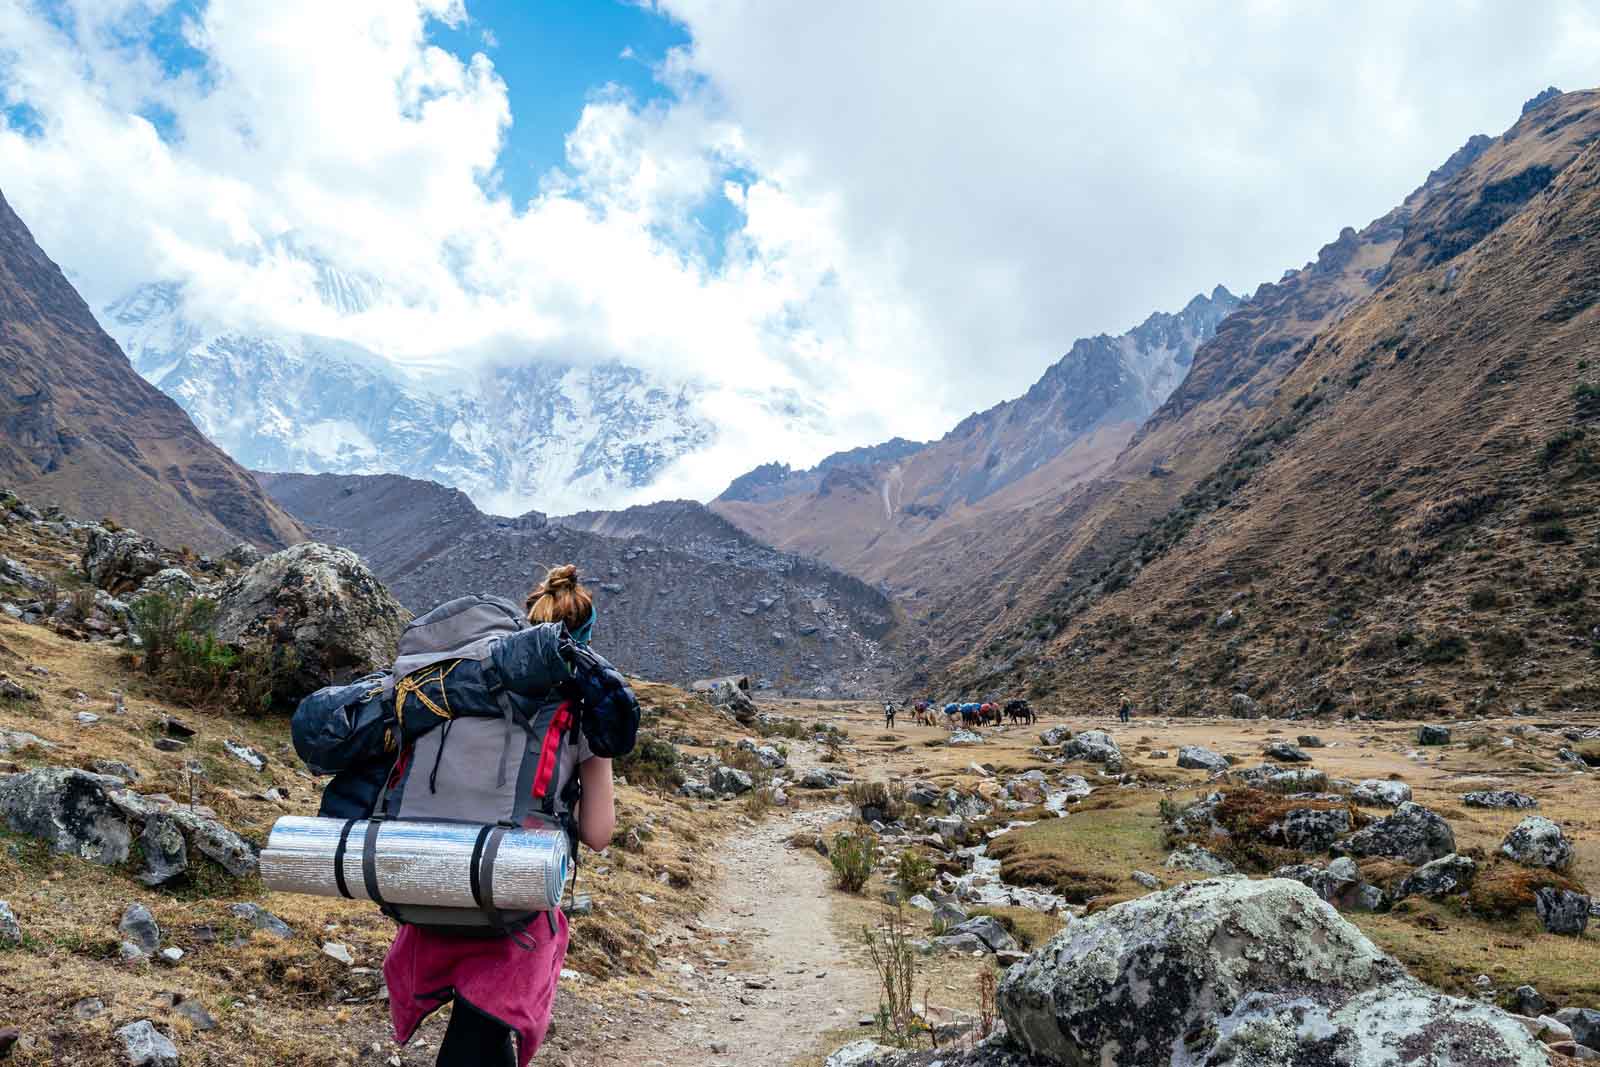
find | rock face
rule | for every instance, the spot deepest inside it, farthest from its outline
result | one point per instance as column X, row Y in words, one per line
column 1243, row 974
column 1412, row 834
column 1538, row 842
column 1200, row 759
column 119, row 561
column 324, row 615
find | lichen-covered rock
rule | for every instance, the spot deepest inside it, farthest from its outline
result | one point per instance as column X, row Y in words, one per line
column 987, row 929
column 163, row 851
column 1584, row 1024
column 818, row 778
column 1413, row 834
column 145, row 1046
column 1195, row 858
column 139, row 927
column 1380, row 793
column 1339, row 883
column 71, row 811
column 1197, row 758
column 173, row 582
column 1244, row 974
column 243, row 555
column 119, row 561
column 1054, row 736
column 1538, row 842
column 1444, row 877
column 732, row 693
column 1498, row 798
column 1307, row 829
column 1093, row 746
column 320, row 610
column 10, row 928
column 730, row 781
column 1562, row 911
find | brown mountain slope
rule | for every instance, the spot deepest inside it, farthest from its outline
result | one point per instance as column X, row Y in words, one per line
column 80, row 429
column 907, row 515
column 1405, row 518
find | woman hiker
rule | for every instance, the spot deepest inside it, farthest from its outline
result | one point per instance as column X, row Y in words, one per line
column 503, row 988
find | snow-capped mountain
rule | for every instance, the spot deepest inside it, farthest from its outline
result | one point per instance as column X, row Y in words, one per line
column 514, row 436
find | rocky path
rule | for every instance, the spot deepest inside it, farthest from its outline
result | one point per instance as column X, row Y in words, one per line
column 765, row 974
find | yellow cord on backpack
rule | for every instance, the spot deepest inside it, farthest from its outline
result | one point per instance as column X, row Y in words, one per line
column 414, row 683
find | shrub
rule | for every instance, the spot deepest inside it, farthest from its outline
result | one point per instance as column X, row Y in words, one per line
column 160, row 620
column 878, row 796
column 1587, row 399
column 895, row 961
column 1483, row 598
column 652, row 763
column 1444, row 648
column 1559, row 445
column 853, row 857
column 913, row 872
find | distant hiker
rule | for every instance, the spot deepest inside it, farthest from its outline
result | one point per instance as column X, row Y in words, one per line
column 503, row 981
column 888, row 714
column 1125, row 711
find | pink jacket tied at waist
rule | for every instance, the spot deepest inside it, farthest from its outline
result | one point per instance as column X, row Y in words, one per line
column 499, row 977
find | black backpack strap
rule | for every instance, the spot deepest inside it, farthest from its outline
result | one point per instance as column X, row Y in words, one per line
column 338, row 859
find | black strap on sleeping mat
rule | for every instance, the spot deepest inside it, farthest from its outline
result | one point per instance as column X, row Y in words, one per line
column 338, row 859
column 473, row 878
column 491, row 850
column 369, row 861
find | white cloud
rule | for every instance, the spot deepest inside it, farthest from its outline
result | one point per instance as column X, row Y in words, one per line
column 932, row 199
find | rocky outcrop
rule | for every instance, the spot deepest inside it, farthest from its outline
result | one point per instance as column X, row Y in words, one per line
column 119, row 561
column 1241, row 974
column 1413, row 834
column 325, row 617
column 96, row 817
column 732, row 693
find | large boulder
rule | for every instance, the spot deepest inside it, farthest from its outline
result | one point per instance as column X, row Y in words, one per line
column 1538, row 842
column 732, row 693
column 1093, row 746
column 97, row 818
column 1238, row 973
column 1433, row 735
column 119, row 561
column 1284, row 752
column 1413, row 834
column 1340, row 883
column 1562, row 911
column 1195, row 758
column 1584, row 1024
column 1498, row 798
column 319, row 609
column 1380, row 793
column 1446, row 876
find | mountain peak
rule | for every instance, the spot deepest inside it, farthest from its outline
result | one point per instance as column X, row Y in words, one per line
column 1539, row 100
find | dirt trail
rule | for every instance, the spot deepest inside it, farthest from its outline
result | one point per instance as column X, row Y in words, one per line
column 765, row 974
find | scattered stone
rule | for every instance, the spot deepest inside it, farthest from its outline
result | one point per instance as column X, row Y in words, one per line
column 858, row 1054
column 1284, row 752
column 1584, row 1024
column 1433, row 735
column 197, row 1015
column 243, row 555
column 1241, row 706
column 730, row 781
column 1444, row 877
column 14, row 740
column 88, row 1008
column 115, row 768
column 1195, row 858
column 246, row 755
column 1528, row 1001
column 171, row 955
column 1309, row 741
column 1056, row 735
column 268, row 923
column 169, row 744
column 987, row 929
column 1238, row 972
column 175, row 727
column 1498, row 798
column 964, row 737
column 922, row 903
column 336, row 951
column 145, row 1046
column 732, row 693
column 319, row 610
column 1381, row 793
column 771, row 758
column 10, row 927
column 818, row 778
column 1196, row 758
column 1562, row 911
column 1148, row 881
column 1413, row 834
column 10, row 690
column 1339, row 883
column 1538, row 842
column 139, row 927
column 173, row 582
column 922, row 795
column 86, row 718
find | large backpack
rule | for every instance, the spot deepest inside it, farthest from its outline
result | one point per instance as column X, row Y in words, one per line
column 473, row 749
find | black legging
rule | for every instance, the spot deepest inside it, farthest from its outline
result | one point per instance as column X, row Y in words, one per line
column 474, row 1039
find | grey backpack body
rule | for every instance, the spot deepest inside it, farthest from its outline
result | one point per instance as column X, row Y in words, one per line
column 484, row 748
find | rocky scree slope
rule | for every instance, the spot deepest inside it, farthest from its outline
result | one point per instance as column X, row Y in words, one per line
column 911, row 515
column 1395, row 513
column 682, row 594
column 80, row 429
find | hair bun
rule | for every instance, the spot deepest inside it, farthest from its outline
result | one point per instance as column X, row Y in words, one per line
column 563, row 577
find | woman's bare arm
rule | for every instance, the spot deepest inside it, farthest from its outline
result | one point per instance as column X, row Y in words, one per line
column 597, row 809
